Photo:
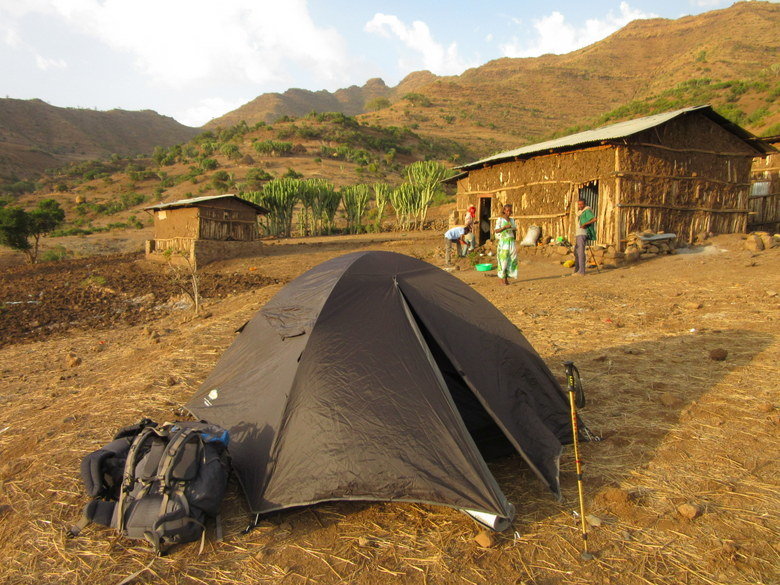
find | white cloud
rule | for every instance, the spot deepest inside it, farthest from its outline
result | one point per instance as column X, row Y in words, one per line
column 555, row 35
column 206, row 110
column 186, row 42
column 44, row 63
column 432, row 55
column 489, row 38
column 709, row 3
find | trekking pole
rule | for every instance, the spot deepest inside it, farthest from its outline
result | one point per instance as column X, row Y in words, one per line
column 573, row 400
column 593, row 257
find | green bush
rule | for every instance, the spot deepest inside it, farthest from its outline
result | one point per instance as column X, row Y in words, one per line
column 273, row 148
column 418, row 99
column 379, row 103
column 55, row 254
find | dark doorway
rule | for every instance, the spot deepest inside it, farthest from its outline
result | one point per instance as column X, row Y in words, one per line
column 484, row 220
column 489, row 438
column 590, row 193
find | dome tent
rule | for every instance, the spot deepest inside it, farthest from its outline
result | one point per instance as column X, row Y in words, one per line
column 376, row 376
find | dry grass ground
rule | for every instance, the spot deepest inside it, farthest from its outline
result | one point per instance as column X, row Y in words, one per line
column 677, row 427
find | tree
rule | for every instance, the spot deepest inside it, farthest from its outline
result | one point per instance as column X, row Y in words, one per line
column 378, row 103
column 18, row 226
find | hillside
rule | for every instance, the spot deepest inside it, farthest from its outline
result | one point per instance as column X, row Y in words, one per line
column 508, row 102
column 351, row 101
column 35, row 135
column 108, row 195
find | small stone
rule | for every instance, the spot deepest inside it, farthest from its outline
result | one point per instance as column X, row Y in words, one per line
column 766, row 407
column 771, row 293
column 171, row 381
column 363, row 541
column 485, row 539
column 593, row 520
column 754, row 243
column 693, row 305
column 73, row 360
column 718, row 354
column 670, row 400
column 689, row 511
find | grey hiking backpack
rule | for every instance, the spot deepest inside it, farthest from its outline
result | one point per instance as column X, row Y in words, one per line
column 159, row 484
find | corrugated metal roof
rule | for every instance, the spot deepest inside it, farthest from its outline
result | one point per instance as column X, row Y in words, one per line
column 193, row 202
column 615, row 132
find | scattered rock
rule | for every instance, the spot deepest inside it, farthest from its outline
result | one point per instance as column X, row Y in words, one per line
column 485, row 539
column 771, row 293
column 690, row 511
column 593, row 520
column 171, row 381
column 692, row 305
column 767, row 240
column 670, row 400
column 73, row 360
column 632, row 254
column 718, row 354
column 754, row 243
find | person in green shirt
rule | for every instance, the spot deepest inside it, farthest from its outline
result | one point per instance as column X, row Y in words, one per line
column 584, row 230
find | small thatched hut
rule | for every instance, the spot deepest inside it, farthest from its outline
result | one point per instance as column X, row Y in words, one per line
column 205, row 229
column 684, row 172
column 764, row 200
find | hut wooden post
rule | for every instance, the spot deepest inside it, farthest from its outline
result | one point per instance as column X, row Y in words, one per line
column 618, row 210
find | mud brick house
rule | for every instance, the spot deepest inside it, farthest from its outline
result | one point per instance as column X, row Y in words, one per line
column 685, row 172
column 204, row 229
column 764, row 200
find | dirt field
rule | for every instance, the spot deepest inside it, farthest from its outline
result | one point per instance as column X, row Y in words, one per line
column 678, row 427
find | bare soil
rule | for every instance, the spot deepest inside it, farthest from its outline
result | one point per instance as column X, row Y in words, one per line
column 677, row 426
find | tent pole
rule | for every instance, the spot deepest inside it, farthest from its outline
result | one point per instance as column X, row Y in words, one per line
column 570, row 369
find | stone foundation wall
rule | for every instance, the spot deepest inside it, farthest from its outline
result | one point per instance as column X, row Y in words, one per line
column 202, row 252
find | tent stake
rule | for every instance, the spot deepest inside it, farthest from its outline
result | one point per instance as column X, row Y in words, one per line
column 570, row 368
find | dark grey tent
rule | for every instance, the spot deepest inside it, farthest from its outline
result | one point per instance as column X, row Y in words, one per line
column 376, row 376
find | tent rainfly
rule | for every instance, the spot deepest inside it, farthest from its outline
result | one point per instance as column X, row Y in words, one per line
column 376, row 376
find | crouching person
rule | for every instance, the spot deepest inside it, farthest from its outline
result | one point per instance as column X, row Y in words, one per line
column 455, row 237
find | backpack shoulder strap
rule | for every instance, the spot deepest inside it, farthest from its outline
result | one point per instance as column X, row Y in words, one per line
column 128, row 477
column 171, row 457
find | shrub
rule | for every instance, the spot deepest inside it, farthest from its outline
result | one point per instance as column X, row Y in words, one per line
column 418, row 99
column 379, row 103
column 55, row 254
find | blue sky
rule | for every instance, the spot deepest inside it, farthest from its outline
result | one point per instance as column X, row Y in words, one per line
column 198, row 59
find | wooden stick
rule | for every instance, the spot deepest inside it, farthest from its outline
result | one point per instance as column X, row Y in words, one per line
column 676, row 208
